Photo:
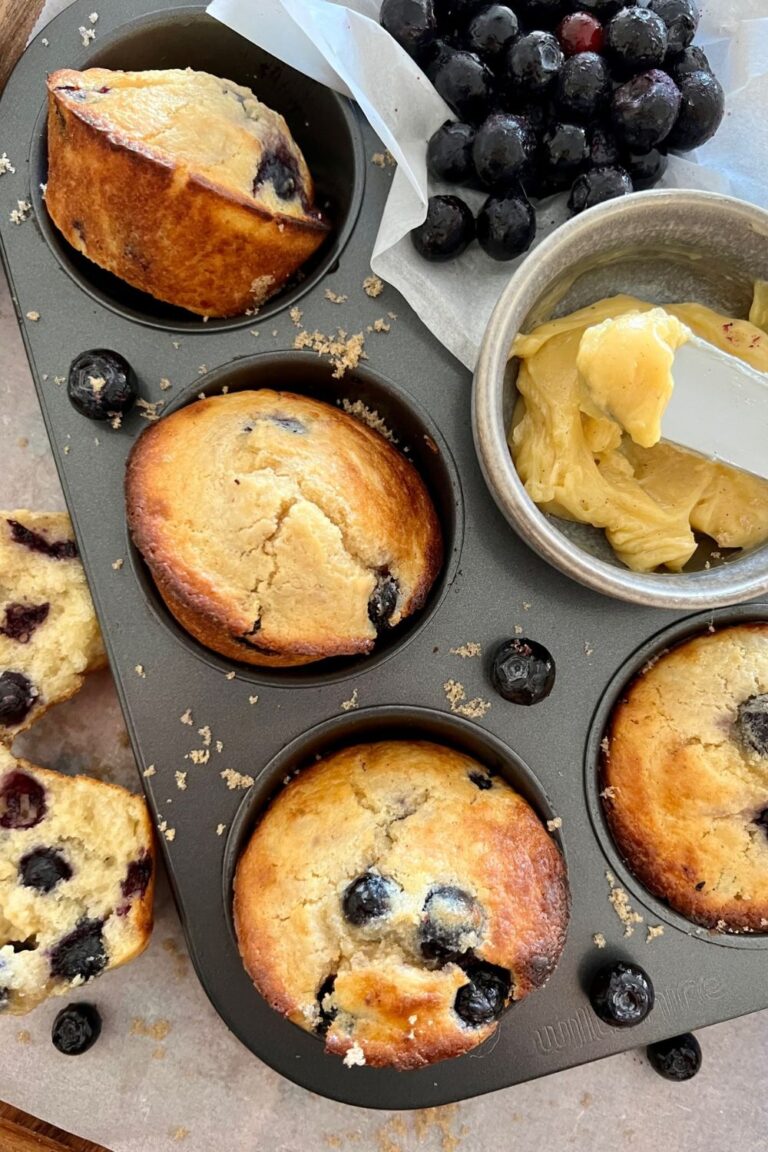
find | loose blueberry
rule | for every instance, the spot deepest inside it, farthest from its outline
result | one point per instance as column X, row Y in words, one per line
column 448, row 229
column 81, row 953
column 701, row 111
column 580, row 32
column 451, row 923
column 644, row 110
column 281, row 170
column 22, row 801
column 694, row 59
column 635, row 41
column 595, row 187
column 76, row 1028
column 506, row 226
column 645, row 168
column 491, row 30
column 367, row 898
column 564, row 149
column 383, row 600
column 411, row 22
column 485, row 997
column 604, row 151
column 43, row 869
column 523, row 671
column 137, row 877
column 622, row 995
column 466, row 84
column 58, row 550
column 101, row 384
column 681, row 18
column 752, row 724
column 583, row 87
column 503, row 150
column 449, row 153
column 481, row 781
column 434, row 55
column 16, row 697
column 677, row 1059
column 534, row 62
column 327, row 1014
column 21, row 621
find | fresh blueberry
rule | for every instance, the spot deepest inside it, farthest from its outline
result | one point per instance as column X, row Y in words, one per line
column 523, row 671
column 752, row 723
column 694, row 59
column 22, row 620
column 451, row 923
column 327, row 1013
column 76, row 1028
column 645, row 168
column 701, row 111
column 383, row 600
column 583, row 87
column 636, row 40
column 448, row 229
column 466, row 85
column 43, row 869
column 580, row 32
column 137, row 877
column 491, row 30
column 595, row 187
column 565, row 149
column 434, row 55
column 481, row 780
column 676, row 1059
column 81, row 953
column 449, row 153
column 645, row 109
column 22, row 801
column 367, row 898
column 681, row 18
column 503, row 150
column 604, row 151
column 101, row 384
column 57, row 550
column 485, row 997
column 622, row 995
column 411, row 22
column 533, row 63
column 16, row 697
column 506, row 226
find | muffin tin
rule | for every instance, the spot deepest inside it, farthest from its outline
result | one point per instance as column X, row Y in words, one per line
column 493, row 587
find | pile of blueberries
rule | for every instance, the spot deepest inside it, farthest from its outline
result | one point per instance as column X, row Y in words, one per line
column 552, row 95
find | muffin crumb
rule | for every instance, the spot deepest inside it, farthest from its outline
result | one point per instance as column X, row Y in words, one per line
column 253, row 699
column 345, row 352
column 116, row 421
column 599, row 940
column 139, row 670
column 373, row 286
column 219, row 746
column 621, row 905
column 181, row 781
column 93, row 17
column 608, row 793
column 457, row 698
column 33, row 316
column 368, row 416
column 354, row 1056
column 335, row 297
column 150, row 410
column 157, row 1031
column 21, row 212
column 205, row 733
column 654, row 931
column 605, row 746
column 381, row 325
column 117, row 564
column 220, row 829
column 230, row 675
column 150, row 770
column 467, row 651
column 165, row 384
column 296, row 315
column 198, row 755
column 5, row 164
column 180, row 1134
column 553, row 825
column 86, row 35
column 186, row 717
column 236, row 779
column 347, row 705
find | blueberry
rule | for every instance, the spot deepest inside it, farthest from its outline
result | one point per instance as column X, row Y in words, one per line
column 101, row 384
column 485, row 997
column 43, row 869
column 491, row 30
column 289, row 424
column 22, row 620
column 534, row 62
column 327, row 1013
column 280, row 169
column 681, row 18
column 583, row 87
column 449, row 153
column 367, row 898
column 676, row 1059
column 580, row 32
column 622, row 995
column 16, row 697
column 701, row 111
column 645, row 168
column 694, row 59
column 81, row 953
column 466, row 85
column 452, row 921
column 137, row 877
column 506, row 226
column 644, row 110
column 56, row 550
column 383, row 600
column 481, row 781
column 523, row 671
column 22, row 801
column 752, row 724
column 564, row 149
column 604, row 150
column 595, row 187
column 434, row 55
column 503, row 150
column 76, row 1028
column 411, row 22
column 635, row 41
column 447, row 230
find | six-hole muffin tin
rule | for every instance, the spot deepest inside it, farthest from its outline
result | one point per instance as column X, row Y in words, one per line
column 189, row 711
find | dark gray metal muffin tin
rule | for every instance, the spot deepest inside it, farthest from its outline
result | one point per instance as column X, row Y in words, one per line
column 492, row 586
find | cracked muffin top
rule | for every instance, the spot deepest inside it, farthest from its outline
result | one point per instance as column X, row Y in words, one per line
column 280, row 530
column 395, row 898
column 686, row 772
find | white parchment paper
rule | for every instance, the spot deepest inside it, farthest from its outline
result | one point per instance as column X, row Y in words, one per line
column 343, row 45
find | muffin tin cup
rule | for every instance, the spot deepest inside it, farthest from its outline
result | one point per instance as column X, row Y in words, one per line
column 232, row 729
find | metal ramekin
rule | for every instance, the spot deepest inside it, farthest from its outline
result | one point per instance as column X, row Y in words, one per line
column 666, row 246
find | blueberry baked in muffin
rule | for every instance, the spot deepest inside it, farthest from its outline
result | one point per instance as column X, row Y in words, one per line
column 685, row 768
column 49, row 636
column 278, row 529
column 76, row 881
column 183, row 184
column 395, row 899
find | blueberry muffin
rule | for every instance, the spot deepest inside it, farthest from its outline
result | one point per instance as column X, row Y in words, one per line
column 278, row 529
column 49, row 637
column 395, row 898
column 686, row 778
column 182, row 184
column 76, row 881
